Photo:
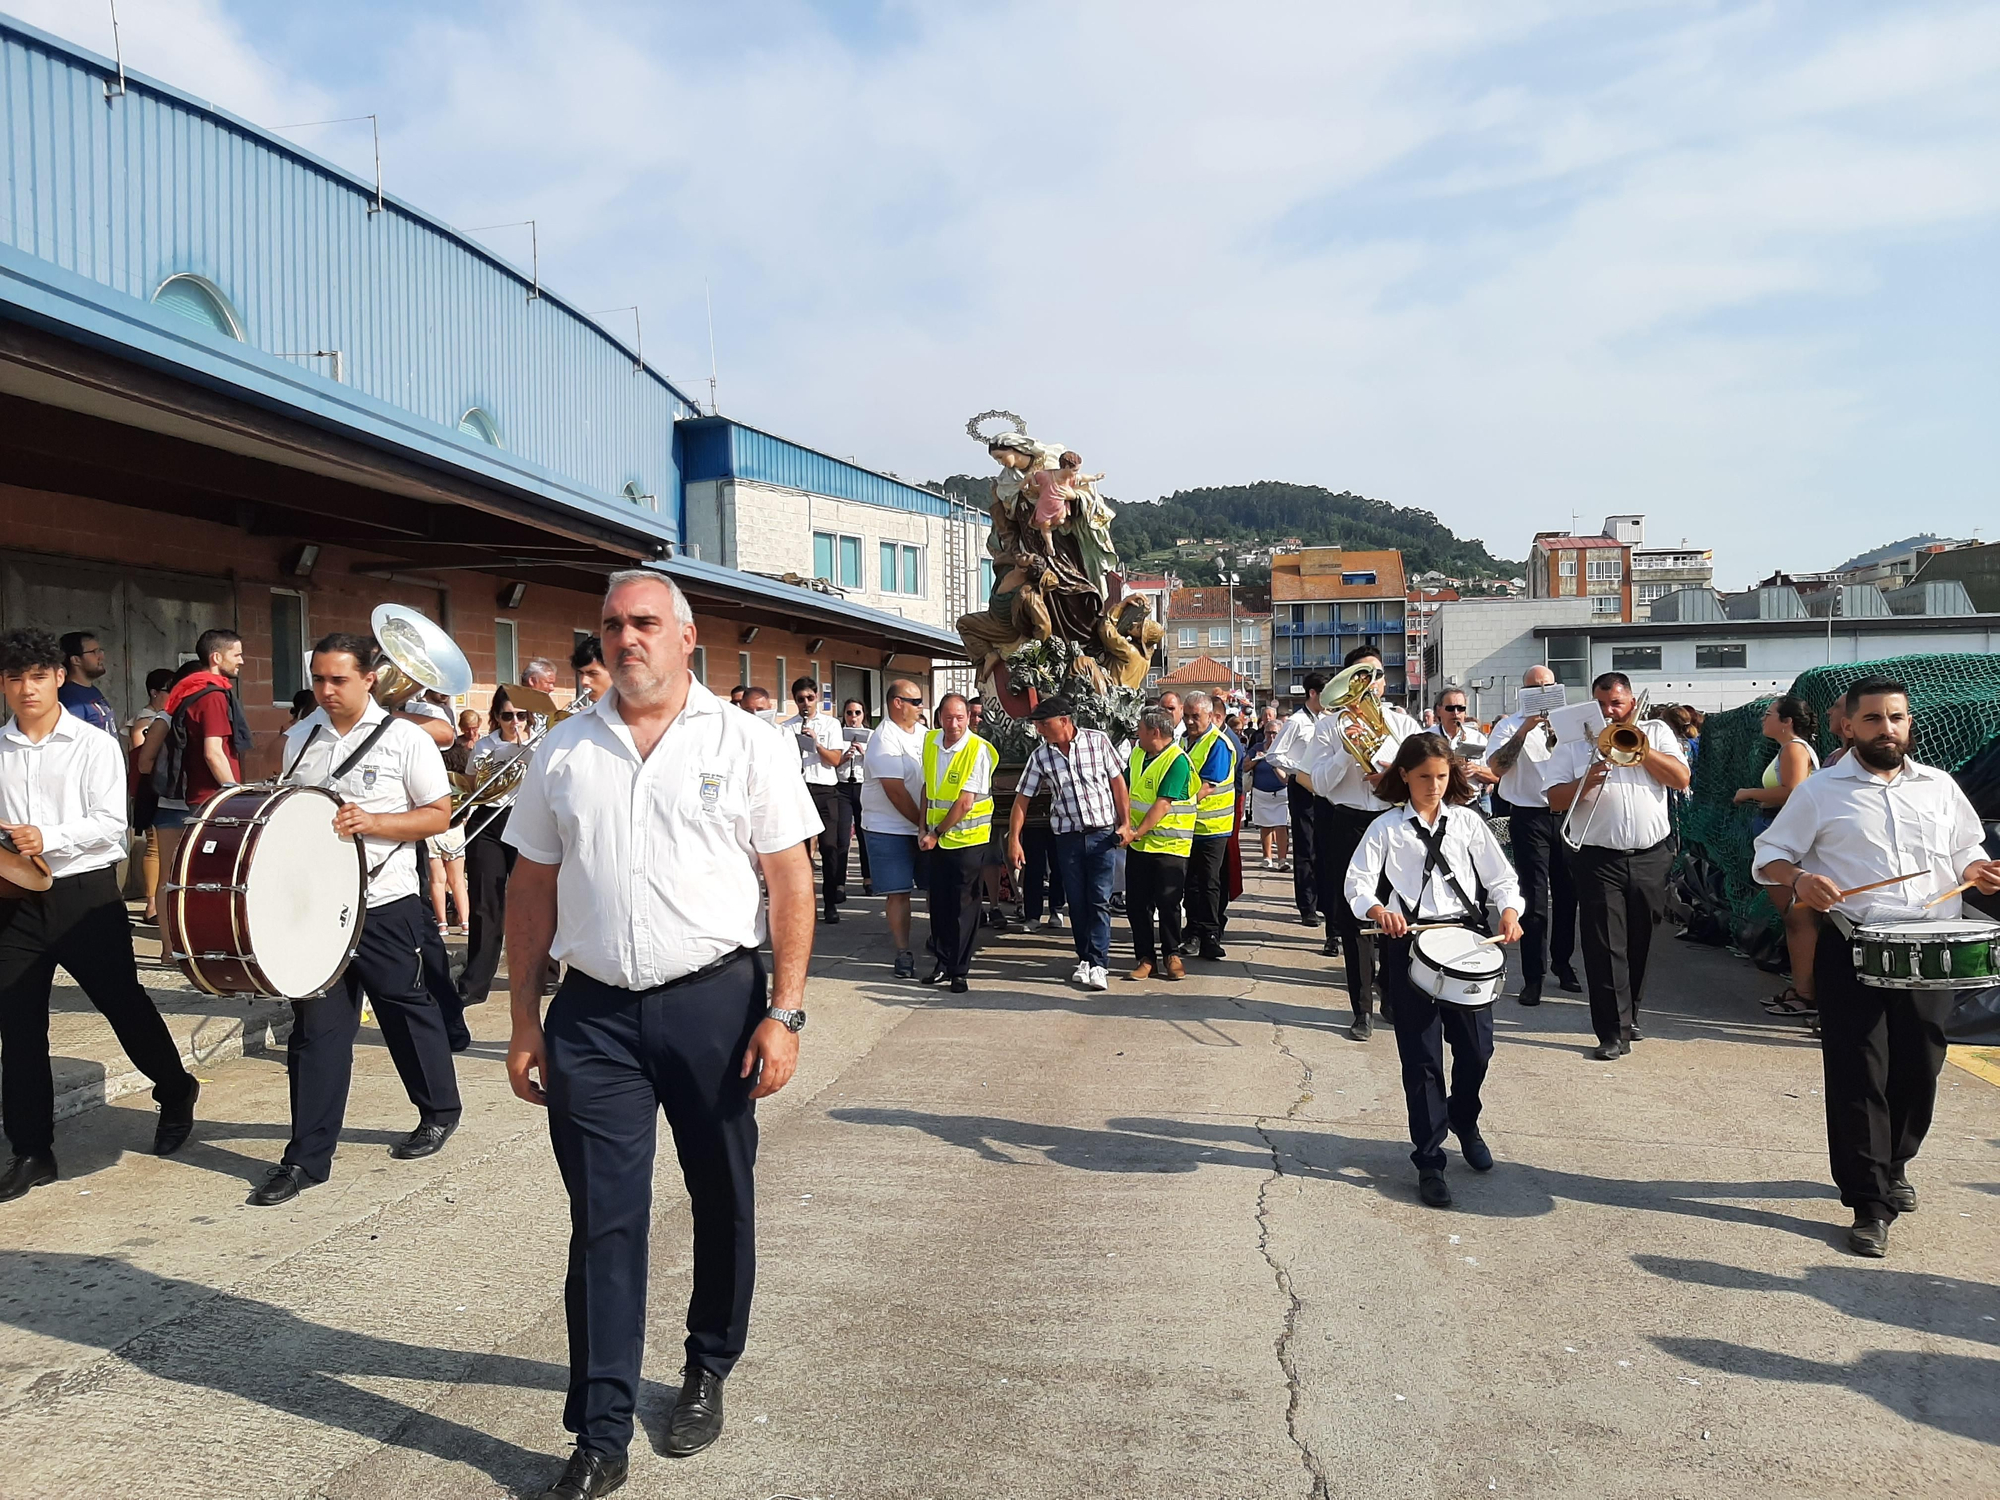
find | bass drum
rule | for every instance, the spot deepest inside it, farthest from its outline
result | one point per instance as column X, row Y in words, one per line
column 264, row 897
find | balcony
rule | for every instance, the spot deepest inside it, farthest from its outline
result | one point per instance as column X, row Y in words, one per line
column 1284, row 630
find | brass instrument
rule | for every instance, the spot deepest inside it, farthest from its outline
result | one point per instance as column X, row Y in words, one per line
column 1621, row 743
column 420, row 657
column 1363, row 729
column 483, row 784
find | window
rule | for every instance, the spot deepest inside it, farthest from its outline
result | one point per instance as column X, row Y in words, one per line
column 1635, row 658
column 1190, row 638
column 1567, row 567
column 1218, row 637
column 634, row 492
column 902, row 568
column 1606, row 604
column 699, row 666
column 1648, row 592
column 288, row 644
column 837, row 559
column 1357, row 578
column 199, row 301
column 1718, row 658
column 506, row 653
column 743, row 669
column 1606, row 569
column 476, row 424
column 1569, row 659
column 782, row 688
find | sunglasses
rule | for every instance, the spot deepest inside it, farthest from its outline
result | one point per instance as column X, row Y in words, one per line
column 1452, row 708
column 899, row 698
column 853, row 713
column 509, row 714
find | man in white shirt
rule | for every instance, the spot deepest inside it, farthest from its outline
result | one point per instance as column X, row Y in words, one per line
column 822, row 747
column 1627, row 851
column 1287, row 758
column 1513, row 768
column 642, row 828
column 394, row 794
column 1876, row 814
column 1347, row 805
column 1466, row 738
column 892, row 794
column 62, row 802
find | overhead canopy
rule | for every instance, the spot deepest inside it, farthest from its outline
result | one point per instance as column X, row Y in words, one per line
column 752, row 599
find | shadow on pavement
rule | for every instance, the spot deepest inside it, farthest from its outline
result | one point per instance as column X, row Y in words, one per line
column 1378, row 1166
column 1949, row 1306
column 1955, row 1393
column 261, row 1353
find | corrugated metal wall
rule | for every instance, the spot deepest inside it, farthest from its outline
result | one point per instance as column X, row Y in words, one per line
column 717, row 448
column 129, row 191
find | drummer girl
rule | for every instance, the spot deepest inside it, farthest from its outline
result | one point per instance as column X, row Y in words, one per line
column 1421, row 863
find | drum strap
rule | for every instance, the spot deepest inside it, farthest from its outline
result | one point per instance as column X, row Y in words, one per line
column 1475, row 911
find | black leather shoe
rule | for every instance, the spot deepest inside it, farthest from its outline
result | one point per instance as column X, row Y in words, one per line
column 282, row 1186
column 936, row 976
column 697, row 1419
column 1361, row 1030
column 176, row 1124
column 1309, row 919
column 1902, row 1197
column 1869, row 1237
column 1213, row 952
column 959, row 986
column 1570, row 983
column 1330, row 948
column 1190, row 948
column 1386, row 1006
column 831, row 917
column 1478, row 1155
column 1432, row 1190
column 587, row 1476
column 425, row 1140
column 1531, row 994
column 24, row 1173
column 1634, row 1035
column 1608, row 1051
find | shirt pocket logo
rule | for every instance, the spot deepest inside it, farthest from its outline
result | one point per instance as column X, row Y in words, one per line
column 367, row 778
column 711, row 783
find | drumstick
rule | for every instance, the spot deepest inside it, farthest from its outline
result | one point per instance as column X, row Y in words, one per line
column 1957, row 890
column 1877, row 885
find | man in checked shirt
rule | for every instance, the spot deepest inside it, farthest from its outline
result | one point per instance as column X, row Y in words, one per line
column 1087, row 807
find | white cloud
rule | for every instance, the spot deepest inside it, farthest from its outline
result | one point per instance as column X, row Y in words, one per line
column 1500, row 261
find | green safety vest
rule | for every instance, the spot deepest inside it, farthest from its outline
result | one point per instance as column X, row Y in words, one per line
column 940, row 792
column 1217, row 815
column 1174, row 833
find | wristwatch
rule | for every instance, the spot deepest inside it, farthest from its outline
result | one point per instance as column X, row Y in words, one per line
column 791, row 1020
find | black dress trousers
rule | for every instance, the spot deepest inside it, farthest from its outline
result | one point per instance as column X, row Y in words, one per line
column 1621, row 897
column 1881, row 1051
column 616, row 1059
column 1207, row 888
column 1548, row 896
column 488, row 862
column 319, row 1056
column 1305, row 844
column 836, row 833
column 79, row 923
column 1340, row 831
column 437, row 965
column 955, row 892
column 1154, row 887
column 850, row 793
column 1423, row 1025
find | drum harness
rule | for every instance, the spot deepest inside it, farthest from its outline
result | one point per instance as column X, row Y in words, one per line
column 1474, row 915
column 342, row 769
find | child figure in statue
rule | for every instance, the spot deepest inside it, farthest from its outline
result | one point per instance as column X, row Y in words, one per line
column 1053, row 490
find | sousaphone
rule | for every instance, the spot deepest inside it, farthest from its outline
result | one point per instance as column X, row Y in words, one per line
column 419, row 657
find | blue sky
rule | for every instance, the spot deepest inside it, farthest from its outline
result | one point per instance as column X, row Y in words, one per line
column 1728, row 264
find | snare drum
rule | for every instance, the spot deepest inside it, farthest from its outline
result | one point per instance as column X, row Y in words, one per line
column 1959, row 953
column 1456, row 966
column 264, row 897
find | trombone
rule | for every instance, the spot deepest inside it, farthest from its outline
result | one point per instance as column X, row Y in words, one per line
column 1622, row 743
column 490, row 788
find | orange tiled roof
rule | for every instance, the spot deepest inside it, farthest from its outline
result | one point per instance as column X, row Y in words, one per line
column 1203, row 669
column 1202, row 603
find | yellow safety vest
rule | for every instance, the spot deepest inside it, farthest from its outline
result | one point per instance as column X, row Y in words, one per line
column 940, row 792
column 1217, row 815
column 1174, row 833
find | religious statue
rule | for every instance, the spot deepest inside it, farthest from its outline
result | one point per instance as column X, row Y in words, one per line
column 1055, row 575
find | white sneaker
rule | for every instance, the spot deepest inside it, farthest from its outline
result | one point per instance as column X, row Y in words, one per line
column 1098, row 979
column 1270, row 864
column 1082, row 974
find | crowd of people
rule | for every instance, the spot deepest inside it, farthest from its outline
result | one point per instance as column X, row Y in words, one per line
column 656, row 841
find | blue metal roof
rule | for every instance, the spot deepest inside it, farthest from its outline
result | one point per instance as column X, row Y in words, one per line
column 722, row 448
column 102, row 200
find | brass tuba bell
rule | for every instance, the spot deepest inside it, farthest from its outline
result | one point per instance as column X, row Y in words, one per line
column 418, row 657
column 1363, row 729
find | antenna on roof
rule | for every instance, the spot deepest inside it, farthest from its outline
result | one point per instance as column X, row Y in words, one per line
column 374, row 124
column 534, row 251
column 118, row 53
column 638, row 338
column 709, row 303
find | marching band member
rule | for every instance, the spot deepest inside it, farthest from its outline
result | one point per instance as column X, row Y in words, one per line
column 394, row 793
column 1876, row 814
column 489, row 858
column 1348, row 805
column 643, row 826
column 1513, row 767
column 1413, row 866
column 62, row 801
column 1288, row 757
column 1627, row 849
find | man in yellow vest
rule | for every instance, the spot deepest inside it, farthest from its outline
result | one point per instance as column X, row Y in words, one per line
column 1213, row 756
column 958, row 821
column 1157, row 846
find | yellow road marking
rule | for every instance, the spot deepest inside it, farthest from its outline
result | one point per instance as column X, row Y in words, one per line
column 1980, row 1062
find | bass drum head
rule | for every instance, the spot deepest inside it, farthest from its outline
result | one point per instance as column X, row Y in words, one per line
column 302, row 895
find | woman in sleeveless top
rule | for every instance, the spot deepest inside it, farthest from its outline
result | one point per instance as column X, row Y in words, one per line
column 1790, row 722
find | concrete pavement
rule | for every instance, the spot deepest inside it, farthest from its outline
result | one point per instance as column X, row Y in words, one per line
column 1030, row 1242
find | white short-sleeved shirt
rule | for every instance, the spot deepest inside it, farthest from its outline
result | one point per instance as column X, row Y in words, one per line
column 1629, row 811
column 824, row 730
column 894, row 754
column 1337, row 775
column 657, row 856
column 1855, row 828
column 1291, row 751
column 401, row 771
column 1521, row 783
